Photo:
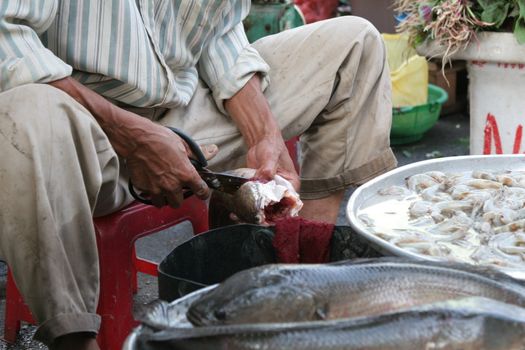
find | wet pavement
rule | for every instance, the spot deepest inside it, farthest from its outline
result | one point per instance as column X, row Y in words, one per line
column 449, row 137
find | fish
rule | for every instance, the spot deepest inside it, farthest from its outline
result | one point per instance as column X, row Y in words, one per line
column 299, row 293
column 468, row 324
column 255, row 202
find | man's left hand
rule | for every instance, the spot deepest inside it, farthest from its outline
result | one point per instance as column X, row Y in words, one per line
column 267, row 152
column 270, row 157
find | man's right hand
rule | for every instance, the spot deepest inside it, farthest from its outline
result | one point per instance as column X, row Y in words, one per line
column 157, row 159
column 159, row 166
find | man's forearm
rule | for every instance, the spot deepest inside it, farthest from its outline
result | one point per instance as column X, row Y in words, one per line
column 122, row 128
column 251, row 112
column 157, row 159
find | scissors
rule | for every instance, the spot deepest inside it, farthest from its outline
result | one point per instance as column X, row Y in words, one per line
column 216, row 181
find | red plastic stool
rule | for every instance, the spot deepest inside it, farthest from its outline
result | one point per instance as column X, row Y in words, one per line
column 116, row 236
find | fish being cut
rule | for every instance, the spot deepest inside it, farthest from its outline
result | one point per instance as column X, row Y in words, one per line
column 256, row 202
column 465, row 324
column 293, row 293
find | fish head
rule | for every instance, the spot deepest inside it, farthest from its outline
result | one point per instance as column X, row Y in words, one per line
column 245, row 299
column 266, row 202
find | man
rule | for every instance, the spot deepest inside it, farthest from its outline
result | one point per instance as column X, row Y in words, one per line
column 86, row 87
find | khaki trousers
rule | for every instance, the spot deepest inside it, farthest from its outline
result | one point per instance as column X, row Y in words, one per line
column 329, row 83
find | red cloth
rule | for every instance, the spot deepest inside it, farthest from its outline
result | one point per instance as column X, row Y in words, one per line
column 317, row 10
column 298, row 240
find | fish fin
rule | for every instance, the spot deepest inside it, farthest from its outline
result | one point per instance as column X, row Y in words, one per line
column 155, row 314
column 321, row 312
column 486, row 271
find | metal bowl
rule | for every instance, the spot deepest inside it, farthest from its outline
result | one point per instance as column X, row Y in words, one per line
column 397, row 177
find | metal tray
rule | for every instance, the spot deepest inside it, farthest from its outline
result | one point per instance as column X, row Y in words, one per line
column 397, row 177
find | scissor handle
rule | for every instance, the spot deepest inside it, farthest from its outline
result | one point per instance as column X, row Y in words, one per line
column 198, row 163
column 201, row 161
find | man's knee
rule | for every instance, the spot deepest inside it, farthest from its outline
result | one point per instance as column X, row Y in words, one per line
column 349, row 30
column 32, row 104
column 36, row 114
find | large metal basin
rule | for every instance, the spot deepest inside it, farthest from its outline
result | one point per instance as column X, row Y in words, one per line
column 397, row 176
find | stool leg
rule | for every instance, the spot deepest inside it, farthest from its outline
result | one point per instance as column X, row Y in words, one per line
column 116, row 294
column 198, row 215
column 12, row 308
column 135, row 283
column 200, row 225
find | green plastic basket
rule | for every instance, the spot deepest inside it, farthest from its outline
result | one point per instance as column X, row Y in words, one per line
column 410, row 123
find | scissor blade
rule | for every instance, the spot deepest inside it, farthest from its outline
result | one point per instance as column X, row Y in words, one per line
column 223, row 182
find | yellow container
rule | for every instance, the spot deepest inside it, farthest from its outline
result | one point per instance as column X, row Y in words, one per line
column 408, row 72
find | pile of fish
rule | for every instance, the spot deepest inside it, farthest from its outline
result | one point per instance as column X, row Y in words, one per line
column 367, row 304
column 255, row 202
column 476, row 217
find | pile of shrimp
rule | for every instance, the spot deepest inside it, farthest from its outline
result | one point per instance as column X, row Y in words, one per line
column 480, row 212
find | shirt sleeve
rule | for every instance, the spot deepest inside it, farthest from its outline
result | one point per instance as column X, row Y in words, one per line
column 23, row 57
column 229, row 61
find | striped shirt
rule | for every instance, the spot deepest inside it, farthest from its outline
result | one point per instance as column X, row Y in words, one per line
column 145, row 53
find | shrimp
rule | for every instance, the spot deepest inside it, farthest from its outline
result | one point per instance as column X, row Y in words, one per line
column 394, row 191
column 485, row 175
column 420, row 208
column 433, row 194
column 512, row 227
column 509, row 243
column 482, row 184
column 419, row 182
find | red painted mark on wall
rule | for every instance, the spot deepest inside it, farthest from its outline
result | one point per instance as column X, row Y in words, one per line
column 492, row 134
column 511, row 65
column 479, row 63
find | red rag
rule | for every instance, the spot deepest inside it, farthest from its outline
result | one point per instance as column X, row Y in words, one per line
column 298, row 240
column 314, row 241
column 286, row 240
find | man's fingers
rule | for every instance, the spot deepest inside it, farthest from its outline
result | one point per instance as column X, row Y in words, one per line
column 158, row 200
column 209, row 151
column 266, row 172
column 287, row 170
column 175, row 198
column 197, row 185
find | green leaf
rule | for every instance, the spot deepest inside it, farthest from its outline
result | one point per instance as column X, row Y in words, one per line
column 494, row 11
column 519, row 27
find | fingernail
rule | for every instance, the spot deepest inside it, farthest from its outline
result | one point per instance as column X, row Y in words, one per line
column 202, row 190
column 211, row 148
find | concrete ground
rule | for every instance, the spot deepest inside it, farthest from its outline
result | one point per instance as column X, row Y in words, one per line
column 448, row 138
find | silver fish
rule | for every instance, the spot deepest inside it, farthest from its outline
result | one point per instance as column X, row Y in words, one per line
column 254, row 202
column 466, row 324
column 293, row 293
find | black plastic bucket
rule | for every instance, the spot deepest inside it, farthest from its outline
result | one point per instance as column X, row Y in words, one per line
column 215, row 255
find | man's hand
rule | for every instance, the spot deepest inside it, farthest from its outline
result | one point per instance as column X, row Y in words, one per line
column 270, row 156
column 266, row 149
column 156, row 157
column 159, row 166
